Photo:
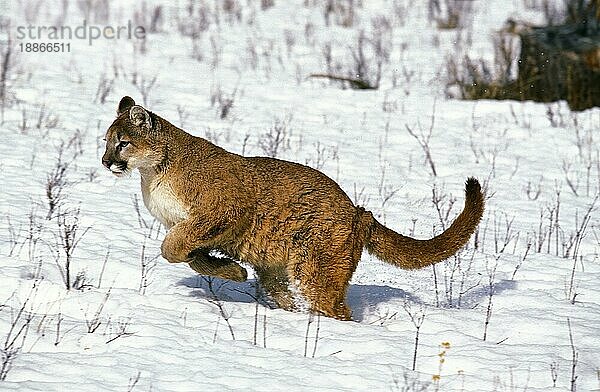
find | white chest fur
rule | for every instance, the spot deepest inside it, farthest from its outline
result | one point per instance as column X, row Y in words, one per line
column 161, row 201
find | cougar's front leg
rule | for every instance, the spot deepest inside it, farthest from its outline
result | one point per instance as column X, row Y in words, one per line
column 189, row 235
column 189, row 241
column 221, row 267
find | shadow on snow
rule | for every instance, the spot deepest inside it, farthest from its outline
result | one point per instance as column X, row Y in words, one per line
column 360, row 298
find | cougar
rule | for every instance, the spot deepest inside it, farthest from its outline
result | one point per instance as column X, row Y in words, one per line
column 295, row 226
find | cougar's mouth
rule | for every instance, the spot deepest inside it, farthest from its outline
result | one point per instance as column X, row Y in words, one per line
column 119, row 169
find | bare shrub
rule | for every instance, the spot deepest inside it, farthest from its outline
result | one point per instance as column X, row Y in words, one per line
column 423, row 139
column 120, row 330
column 216, row 47
column 17, row 332
column 195, row 19
column 389, row 105
column 340, row 12
column 567, row 11
column 9, row 73
column 136, row 206
column 32, row 10
column 532, row 190
column 214, row 299
column 259, row 297
column 183, row 115
column 449, row 14
column 95, row 10
column 266, row 4
column 56, row 184
column 459, row 278
column 368, row 55
column 309, row 322
column 400, row 11
column 56, row 180
column 554, row 367
column 309, row 34
column 105, row 86
column 233, row 10
column 571, row 243
column 457, row 271
column 151, row 19
column 43, row 121
column 477, row 79
column 504, row 233
column 140, row 46
column 6, row 359
column 327, row 53
column 34, row 236
column 222, row 101
column 409, row 383
column 24, row 123
column 81, row 281
column 144, row 85
column 147, row 264
column 46, row 120
column 491, row 272
column 574, row 359
column 69, row 236
column 553, row 14
column 94, row 321
column 133, row 381
column 321, row 156
column 252, row 53
column 443, row 204
column 588, row 157
column 14, row 236
column 549, row 234
column 104, row 263
column 277, row 139
column 522, row 259
column 379, row 43
column 385, row 191
column 416, row 317
column 505, row 57
column 360, row 197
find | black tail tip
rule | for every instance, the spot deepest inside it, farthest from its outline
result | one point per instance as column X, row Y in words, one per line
column 472, row 186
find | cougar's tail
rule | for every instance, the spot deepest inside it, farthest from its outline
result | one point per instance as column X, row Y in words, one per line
column 409, row 253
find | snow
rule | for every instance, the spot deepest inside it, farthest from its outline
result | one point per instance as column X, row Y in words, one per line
column 165, row 330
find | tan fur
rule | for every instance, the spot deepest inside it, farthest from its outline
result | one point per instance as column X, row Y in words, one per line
column 160, row 199
column 291, row 223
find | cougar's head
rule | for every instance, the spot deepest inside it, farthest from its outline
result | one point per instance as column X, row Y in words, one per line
column 131, row 140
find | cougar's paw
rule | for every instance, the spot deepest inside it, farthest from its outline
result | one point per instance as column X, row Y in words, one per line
column 229, row 270
column 171, row 250
column 239, row 274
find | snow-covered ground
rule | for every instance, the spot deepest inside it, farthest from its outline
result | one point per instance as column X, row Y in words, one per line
column 135, row 322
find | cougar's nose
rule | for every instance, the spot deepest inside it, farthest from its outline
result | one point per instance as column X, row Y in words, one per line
column 106, row 162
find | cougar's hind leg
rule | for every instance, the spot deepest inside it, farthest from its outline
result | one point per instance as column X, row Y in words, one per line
column 323, row 284
column 332, row 301
column 275, row 282
column 324, row 278
column 344, row 264
column 220, row 267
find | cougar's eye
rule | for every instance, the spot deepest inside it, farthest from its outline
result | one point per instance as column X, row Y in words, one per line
column 123, row 144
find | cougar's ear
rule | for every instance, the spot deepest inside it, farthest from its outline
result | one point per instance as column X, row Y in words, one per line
column 126, row 103
column 140, row 117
